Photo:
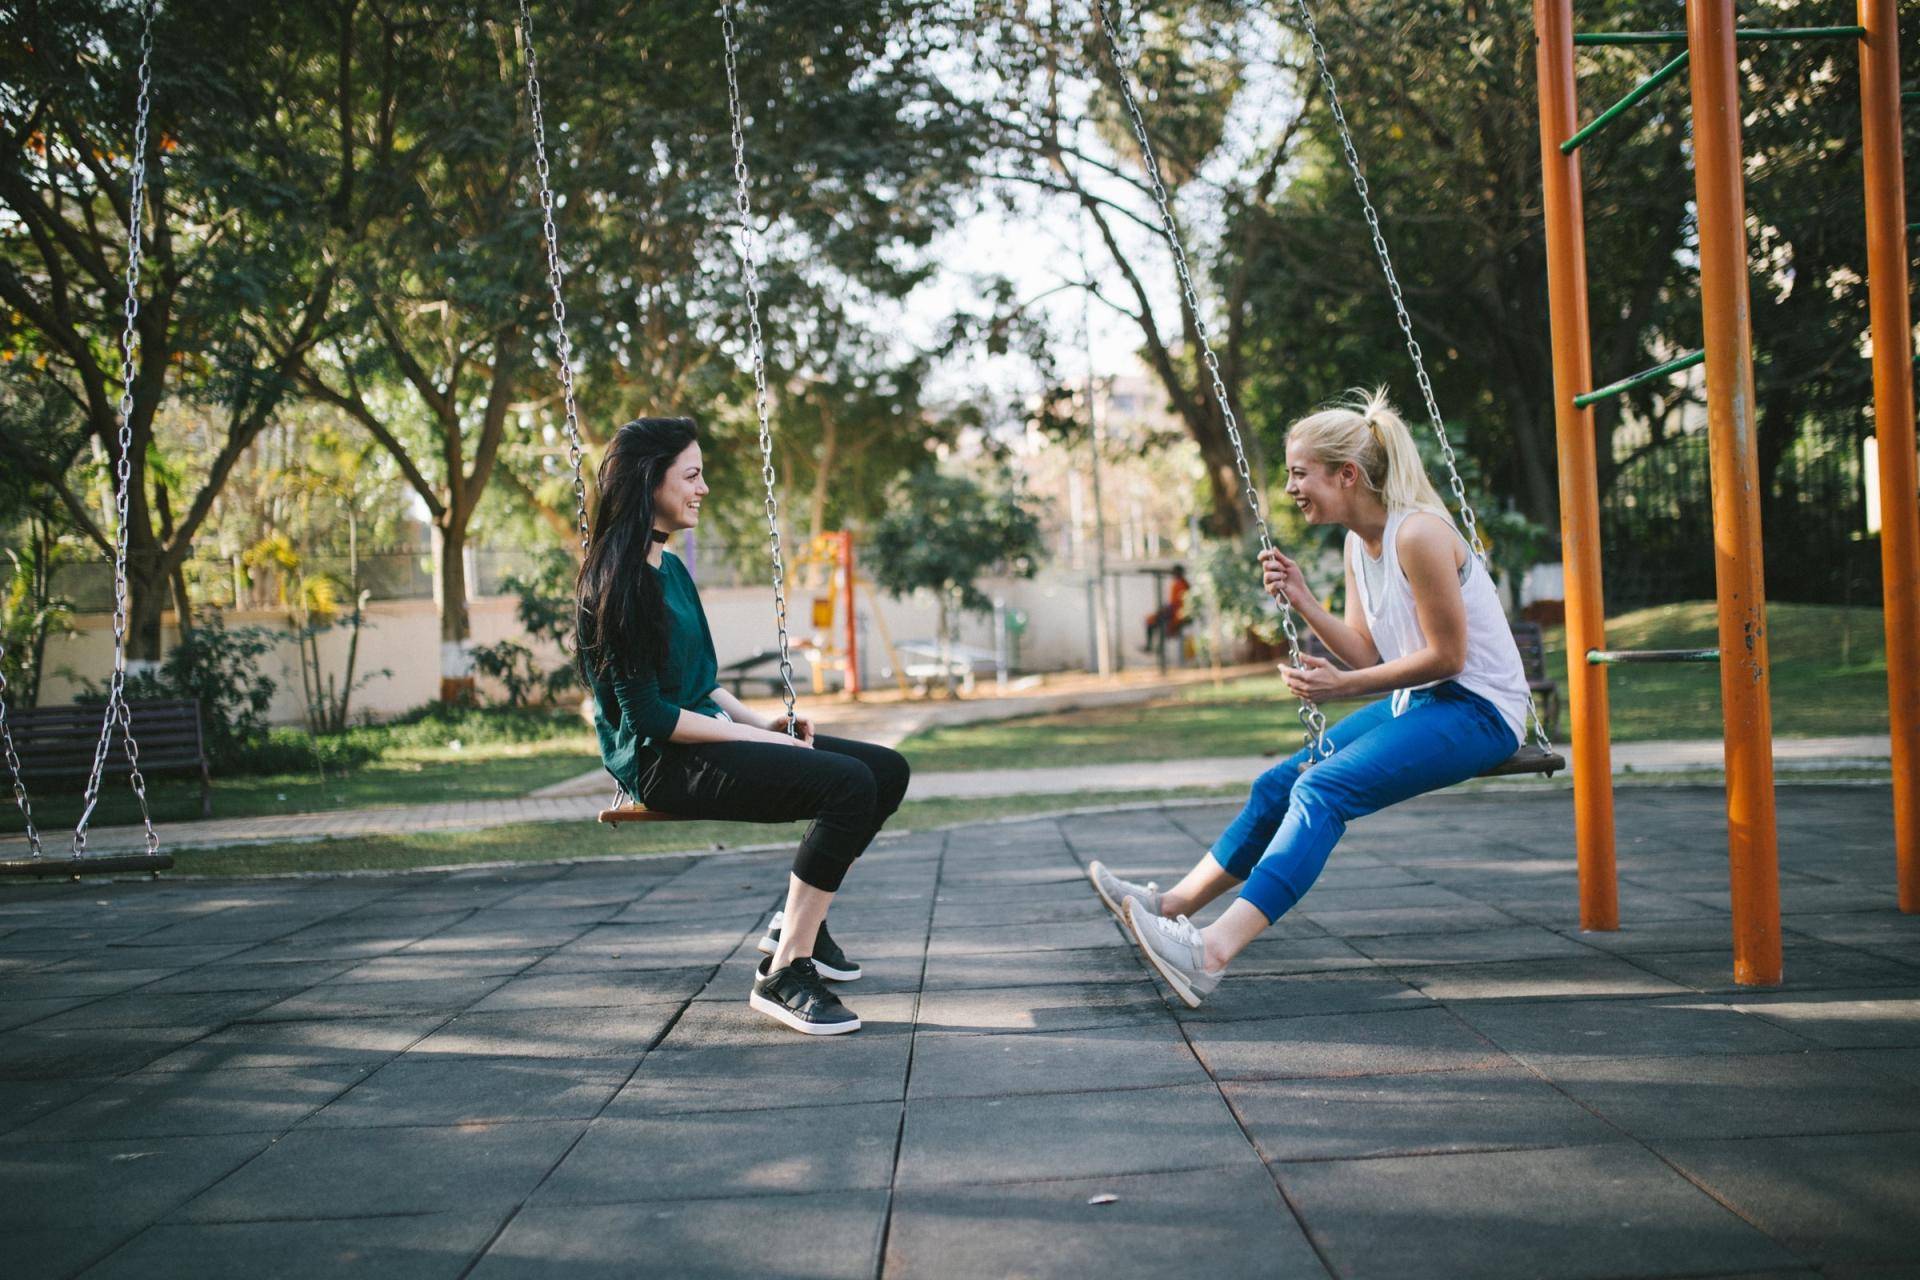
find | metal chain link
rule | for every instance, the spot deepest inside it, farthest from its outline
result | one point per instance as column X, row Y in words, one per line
column 13, row 763
column 1467, row 516
column 562, row 342
column 747, row 239
column 1311, row 717
column 117, row 711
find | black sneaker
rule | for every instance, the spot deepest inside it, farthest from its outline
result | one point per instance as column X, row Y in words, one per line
column 796, row 996
column 828, row 958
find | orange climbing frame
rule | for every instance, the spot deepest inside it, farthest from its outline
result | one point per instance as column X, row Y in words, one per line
column 1712, row 64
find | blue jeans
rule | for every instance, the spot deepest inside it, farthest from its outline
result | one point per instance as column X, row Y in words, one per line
column 1280, row 842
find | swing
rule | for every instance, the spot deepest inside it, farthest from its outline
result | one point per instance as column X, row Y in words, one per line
column 1536, row 757
column 625, row 809
column 79, row 862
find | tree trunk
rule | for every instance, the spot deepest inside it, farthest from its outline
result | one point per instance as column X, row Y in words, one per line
column 1535, row 441
column 817, row 573
column 149, row 584
column 176, row 560
column 456, row 634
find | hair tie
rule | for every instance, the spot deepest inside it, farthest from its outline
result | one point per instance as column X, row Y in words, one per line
column 1375, row 428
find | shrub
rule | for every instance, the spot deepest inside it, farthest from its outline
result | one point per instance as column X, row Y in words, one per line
column 220, row 669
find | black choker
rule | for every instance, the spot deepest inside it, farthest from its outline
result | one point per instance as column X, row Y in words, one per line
column 658, row 536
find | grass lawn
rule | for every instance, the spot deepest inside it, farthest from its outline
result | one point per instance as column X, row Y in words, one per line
column 552, row 842
column 409, row 775
column 1818, row 689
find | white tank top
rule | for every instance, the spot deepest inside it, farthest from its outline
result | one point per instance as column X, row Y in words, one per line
column 1493, row 667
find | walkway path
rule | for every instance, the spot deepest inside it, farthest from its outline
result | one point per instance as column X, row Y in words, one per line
column 1426, row 1070
column 574, row 803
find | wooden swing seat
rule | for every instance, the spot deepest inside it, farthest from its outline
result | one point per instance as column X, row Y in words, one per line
column 1532, row 758
column 624, row 813
column 100, row 864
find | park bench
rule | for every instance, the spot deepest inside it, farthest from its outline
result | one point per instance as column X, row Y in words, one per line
column 1533, row 660
column 56, row 744
column 738, row 675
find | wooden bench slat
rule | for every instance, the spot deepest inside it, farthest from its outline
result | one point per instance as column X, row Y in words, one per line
column 60, row 742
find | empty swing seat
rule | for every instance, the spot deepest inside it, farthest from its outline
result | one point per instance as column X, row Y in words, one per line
column 87, row 864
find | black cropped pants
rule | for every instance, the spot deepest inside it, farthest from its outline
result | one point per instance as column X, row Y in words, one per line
column 848, row 788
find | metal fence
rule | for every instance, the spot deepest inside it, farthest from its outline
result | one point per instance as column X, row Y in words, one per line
column 1657, row 523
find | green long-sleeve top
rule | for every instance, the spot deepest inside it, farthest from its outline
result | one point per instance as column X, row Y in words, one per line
column 635, row 713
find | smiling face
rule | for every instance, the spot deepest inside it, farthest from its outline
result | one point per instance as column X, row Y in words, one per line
column 1324, row 494
column 676, row 502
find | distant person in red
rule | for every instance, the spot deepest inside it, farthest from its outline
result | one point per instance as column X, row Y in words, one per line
column 1168, row 619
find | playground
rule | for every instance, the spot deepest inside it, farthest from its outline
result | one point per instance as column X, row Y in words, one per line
column 1429, row 1069
column 726, row 318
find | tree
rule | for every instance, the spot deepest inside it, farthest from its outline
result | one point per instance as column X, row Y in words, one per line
column 1192, row 60
column 943, row 532
column 242, row 195
column 448, row 299
column 1442, row 103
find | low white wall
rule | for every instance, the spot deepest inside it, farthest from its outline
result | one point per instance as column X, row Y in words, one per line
column 402, row 637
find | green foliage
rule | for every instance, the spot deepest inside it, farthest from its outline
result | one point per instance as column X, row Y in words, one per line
column 512, row 664
column 30, row 614
column 436, row 725
column 545, row 607
column 942, row 533
column 1515, row 544
column 220, row 669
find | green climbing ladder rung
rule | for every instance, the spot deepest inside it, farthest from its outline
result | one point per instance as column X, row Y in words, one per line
column 1741, row 33
column 1645, row 376
column 1625, row 104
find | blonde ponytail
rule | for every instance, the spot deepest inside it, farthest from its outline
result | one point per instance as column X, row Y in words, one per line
column 1365, row 430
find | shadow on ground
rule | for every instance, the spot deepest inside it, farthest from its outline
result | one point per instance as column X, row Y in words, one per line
column 1426, row 1070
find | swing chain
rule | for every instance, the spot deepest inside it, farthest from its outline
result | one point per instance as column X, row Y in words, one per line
column 117, row 710
column 13, row 763
column 1311, row 717
column 563, row 343
column 1360, row 186
column 756, row 342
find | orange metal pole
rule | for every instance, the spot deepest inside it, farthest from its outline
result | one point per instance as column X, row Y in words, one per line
column 1893, row 422
column 853, row 643
column 1579, row 478
column 1752, row 842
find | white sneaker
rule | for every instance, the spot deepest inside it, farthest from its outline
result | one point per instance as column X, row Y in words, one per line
column 1115, row 892
column 1175, row 950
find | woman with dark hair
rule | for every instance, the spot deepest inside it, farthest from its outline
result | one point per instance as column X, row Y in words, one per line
column 679, row 743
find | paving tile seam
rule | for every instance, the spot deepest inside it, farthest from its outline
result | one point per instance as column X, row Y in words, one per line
column 665, row 1030
column 1490, row 1149
column 1483, row 1064
column 143, row 1070
column 906, row 1083
column 967, row 1183
column 1299, row 1217
column 1745, row 1273
column 380, row 1215
column 1103, row 1091
column 372, row 1067
column 194, row 968
column 1643, row 1144
column 119, row 1243
column 1631, row 959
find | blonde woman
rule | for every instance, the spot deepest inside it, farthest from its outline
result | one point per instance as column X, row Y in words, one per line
column 1424, row 633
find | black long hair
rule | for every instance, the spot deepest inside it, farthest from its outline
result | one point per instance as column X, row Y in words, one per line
column 622, row 611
